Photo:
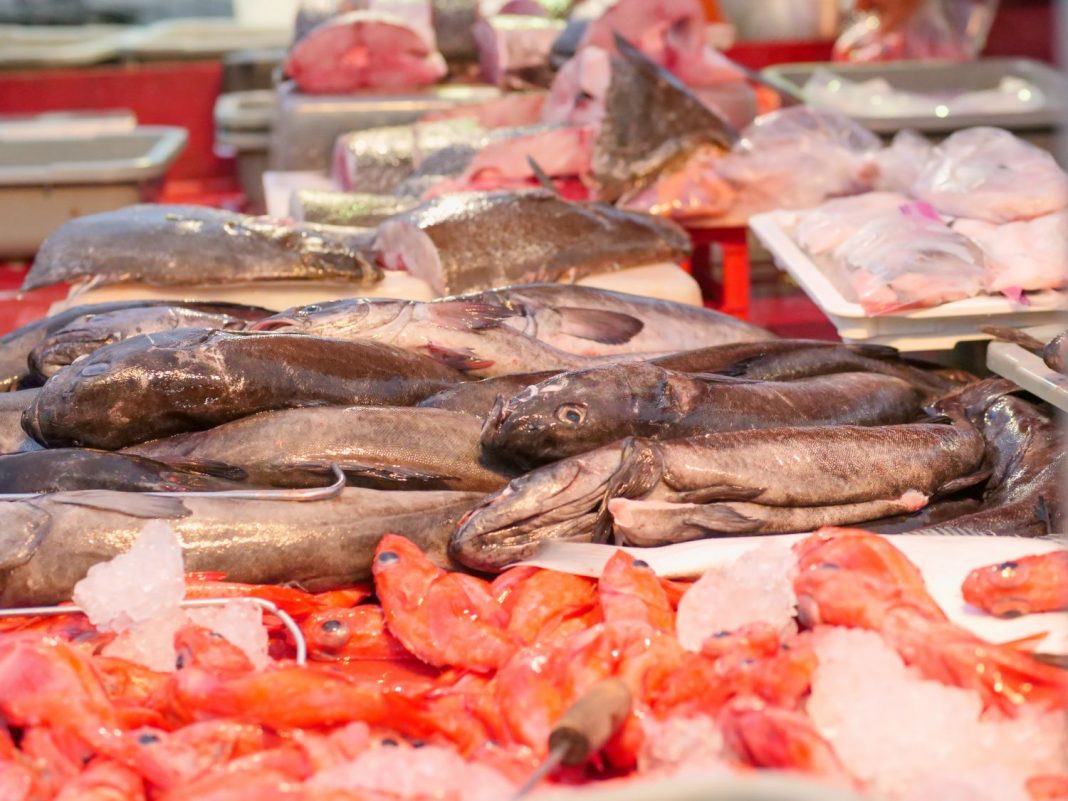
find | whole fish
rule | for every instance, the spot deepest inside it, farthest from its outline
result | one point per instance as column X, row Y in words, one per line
column 67, row 469
column 92, row 331
column 1052, row 352
column 155, row 385
column 50, row 542
column 376, row 447
column 466, row 335
column 479, row 240
column 781, row 467
column 477, row 398
column 359, row 209
column 13, row 439
column 1022, row 586
column 166, row 245
column 597, row 322
column 15, row 347
column 579, row 411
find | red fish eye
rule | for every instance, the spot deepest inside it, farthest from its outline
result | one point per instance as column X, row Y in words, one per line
column 387, row 558
column 1008, row 574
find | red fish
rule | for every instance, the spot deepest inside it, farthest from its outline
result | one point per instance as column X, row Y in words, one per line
column 1020, row 587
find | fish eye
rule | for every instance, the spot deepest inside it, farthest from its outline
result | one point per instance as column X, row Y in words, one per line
column 312, row 309
column 1008, row 574
column 95, row 369
column 639, row 563
column 387, row 558
column 331, row 626
column 571, row 413
column 148, row 738
column 335, row 633
column 390, row 742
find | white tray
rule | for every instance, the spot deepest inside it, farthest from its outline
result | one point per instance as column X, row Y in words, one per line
column 1028, row 370
column 935, row 328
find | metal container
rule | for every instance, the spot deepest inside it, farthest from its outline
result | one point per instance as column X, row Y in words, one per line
column 24, row 46
column 243, row 123
column 46, row 182
column 306, row 126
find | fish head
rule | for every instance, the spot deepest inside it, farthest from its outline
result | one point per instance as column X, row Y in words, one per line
column 23, row 527
column 576, row 412
column 73, row 342
column 340, row 319
column 1006, row 589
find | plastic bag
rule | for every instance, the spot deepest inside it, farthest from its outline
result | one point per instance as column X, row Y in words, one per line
column 908, row 259
column 1024, row 256
column 797, row 157
column 989, row 174
column 827, row 226
column 940, row 29
column 900, row 164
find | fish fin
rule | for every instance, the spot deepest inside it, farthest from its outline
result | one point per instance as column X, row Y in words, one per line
column 639, row 470
column 597, row 325
column 541, row 176
column 402, row 476
column 468, row 315
column 720, row 519
column 133, row 504
column 719, row 492
column 882, row 352
column 1005, row 334
column 964, row 482
column 210, row 467
column 457, row 359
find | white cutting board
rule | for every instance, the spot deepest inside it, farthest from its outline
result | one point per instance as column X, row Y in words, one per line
column 944, row 562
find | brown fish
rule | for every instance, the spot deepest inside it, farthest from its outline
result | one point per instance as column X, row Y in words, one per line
column 477, row 398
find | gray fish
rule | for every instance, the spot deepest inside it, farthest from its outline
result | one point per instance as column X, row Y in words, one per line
column 466, row 335
column 15, row 347
column 477, row 398
column 166, row 245
column 156, row 385
column 69, row 469
column 478, row 240
column 13, row 439
column 48, row 544
column 358, row 209
column 596, row 322
column 783, row 467
column 376, row 447
column 93, row 331
column 579, row 411
column 652, row 122
column 1052, row 352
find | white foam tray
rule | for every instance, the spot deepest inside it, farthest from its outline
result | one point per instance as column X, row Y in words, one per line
column 935, row 328
column 1028, row 370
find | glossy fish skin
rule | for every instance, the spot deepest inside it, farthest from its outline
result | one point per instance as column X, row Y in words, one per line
column 478, row 240
column 71, row 469
column 376, row 447
column 13, row 439
column 465, row 335
column 47, row 544
column 477, row 398
column 156, row 385
column 359, row 209
column 819, row 466
column 1053, row 354
column 166, row 245
column 86, row 334
column 15, row 347
column 597, row 322
column 579, row 411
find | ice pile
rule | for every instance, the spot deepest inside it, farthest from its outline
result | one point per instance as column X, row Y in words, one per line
column 757, row 587
column 682, row 745
column 910, row 738
column 138, row 596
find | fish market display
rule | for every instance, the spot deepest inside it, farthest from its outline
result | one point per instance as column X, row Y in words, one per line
column 477, row 398
column 376, row 447
column 156, row 385
column 1020, row 587
column 513, row 49
column 582, row 410
column 572, row 499
column 366, row 50
column 50, row 542
column 464, row 242
column 13, row 438
column 1052, row 352
column 161, row 245
column 1022, row 256
column 355, row 209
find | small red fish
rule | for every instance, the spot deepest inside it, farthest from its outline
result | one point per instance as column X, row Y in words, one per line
column 1020, row 587
column 629, row 590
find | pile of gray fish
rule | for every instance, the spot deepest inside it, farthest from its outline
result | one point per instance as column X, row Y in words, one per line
column 480, row 425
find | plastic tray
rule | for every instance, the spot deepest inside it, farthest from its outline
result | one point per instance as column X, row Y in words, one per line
column 57, row 46
column 940, row 77
column 208, row 37
column 66, row 124
column 307, row 126
column 45, row 182
column 935, row 328
column 1028, row 370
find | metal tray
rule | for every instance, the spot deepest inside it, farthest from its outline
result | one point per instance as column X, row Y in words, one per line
column 58, row 45
column 938, row 77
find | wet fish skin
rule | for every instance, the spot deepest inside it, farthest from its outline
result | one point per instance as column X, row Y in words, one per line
column 478, row 240
column 1054, row 353
column 359, row 209
column 167, row 244
column 47, row 544
column 465, row 335
column 377, row 447
column 91, row 332
column 934, row 513
column 71, row 469
column 156, row 385
column 581, row 410
column 819, row 466
column 13, row 439
column 477, row 398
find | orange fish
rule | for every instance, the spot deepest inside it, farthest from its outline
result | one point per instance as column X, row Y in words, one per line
column 103, row 780
column 1020, row 587
column 629, row 590
column 348, row 634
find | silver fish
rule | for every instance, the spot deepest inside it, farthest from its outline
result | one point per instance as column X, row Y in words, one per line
column 358, row 209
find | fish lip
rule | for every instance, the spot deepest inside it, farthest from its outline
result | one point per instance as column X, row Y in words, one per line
column 275, row 323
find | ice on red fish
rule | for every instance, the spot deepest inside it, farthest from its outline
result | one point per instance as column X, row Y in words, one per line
column 238, row 622
column 797, row 157
column 756, row 587
column 909, row 259
column 900, row 164
column 682, row 744
column 899, row 732
column 989, row 174
column 150, row 642
column 514, row 49
column 1027, row 255
column 982, row 784
column 365, row 50
column 577, row 95
column 146, row 582
column 693, row 190
column 428, row 772
column 822, row 229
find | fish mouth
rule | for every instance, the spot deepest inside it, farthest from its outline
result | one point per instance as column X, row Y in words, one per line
column 274, row 324
column 31, row 421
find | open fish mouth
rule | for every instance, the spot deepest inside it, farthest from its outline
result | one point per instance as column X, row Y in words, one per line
column 275, row 324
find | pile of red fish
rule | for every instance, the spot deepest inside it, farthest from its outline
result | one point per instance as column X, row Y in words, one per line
column 448, row 665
